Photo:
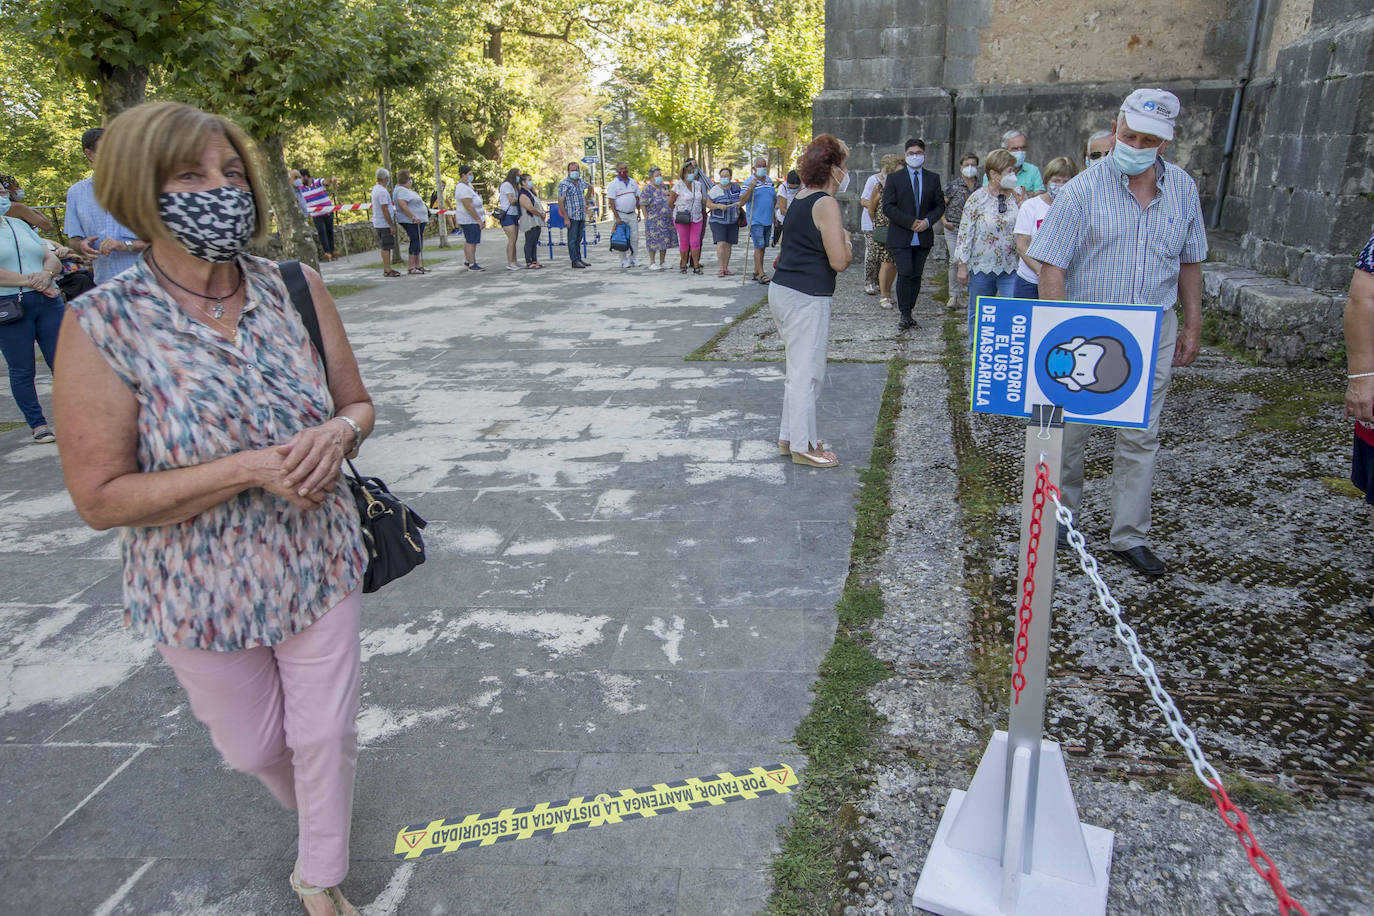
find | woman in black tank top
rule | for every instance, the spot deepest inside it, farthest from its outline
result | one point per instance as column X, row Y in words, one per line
column 815, row 247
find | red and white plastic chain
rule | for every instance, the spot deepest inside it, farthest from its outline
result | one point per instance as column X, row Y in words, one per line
column 1023, row 614
column 1259, row 859
column 1205, row 772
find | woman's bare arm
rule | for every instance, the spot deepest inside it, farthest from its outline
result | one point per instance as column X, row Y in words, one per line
column 838, row 250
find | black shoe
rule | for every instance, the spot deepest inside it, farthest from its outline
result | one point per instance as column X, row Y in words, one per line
column 1143, row 559
column 585, row 263
column 578, row 265
column 906, row 324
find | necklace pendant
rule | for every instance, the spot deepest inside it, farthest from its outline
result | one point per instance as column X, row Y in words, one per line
column 218, row 310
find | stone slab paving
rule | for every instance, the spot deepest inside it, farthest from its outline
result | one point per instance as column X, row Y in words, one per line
column 1259, row 632
column 626, row 585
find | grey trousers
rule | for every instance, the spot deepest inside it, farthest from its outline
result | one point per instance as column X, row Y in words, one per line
column 955, row 290
column 1133, row 464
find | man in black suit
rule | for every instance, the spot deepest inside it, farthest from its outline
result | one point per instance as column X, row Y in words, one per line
column 914, row 201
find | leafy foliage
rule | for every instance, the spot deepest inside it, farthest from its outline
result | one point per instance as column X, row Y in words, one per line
column 506, row 82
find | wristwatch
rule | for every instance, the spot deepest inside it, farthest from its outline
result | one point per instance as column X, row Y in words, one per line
column 128, row 246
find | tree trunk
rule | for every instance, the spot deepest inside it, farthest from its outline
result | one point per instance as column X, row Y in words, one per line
column 294, row 228
column 381, row 129
column 439, row 187
column 120, row 88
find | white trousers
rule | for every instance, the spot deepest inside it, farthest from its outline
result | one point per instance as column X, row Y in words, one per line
column 631, row 220
column 1133, row 465
column 804, row 325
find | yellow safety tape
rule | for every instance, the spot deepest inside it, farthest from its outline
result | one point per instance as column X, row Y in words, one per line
column 584, row 811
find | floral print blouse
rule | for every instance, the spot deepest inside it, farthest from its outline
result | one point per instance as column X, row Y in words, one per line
column 253, row 570
column 987, row 238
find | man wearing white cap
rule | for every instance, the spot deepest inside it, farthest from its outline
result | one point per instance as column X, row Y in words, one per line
column 1129, row 229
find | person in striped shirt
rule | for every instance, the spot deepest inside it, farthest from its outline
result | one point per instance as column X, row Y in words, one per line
column 1129, row 229
column 315, row 191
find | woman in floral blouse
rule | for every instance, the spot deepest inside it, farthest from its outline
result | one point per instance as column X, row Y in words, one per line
column 986, row 248
column 1359, row 393
column 659, row 234
column 194, row 415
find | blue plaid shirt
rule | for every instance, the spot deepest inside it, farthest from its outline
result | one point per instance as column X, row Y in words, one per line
column 1112, row 249
column 574, row 193
column 86, row 219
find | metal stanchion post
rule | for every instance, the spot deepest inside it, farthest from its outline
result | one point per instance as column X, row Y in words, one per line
column 1012, row 845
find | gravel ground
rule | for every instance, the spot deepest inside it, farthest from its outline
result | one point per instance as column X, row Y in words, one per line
column 1257, row 630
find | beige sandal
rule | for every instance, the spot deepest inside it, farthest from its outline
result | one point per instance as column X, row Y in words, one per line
column 784, row 447
column 338, row 903
column 817, row 459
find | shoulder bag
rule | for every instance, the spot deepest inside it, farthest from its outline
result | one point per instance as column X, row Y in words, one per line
column 12, row 308
column 391, row 530
column 684, row 217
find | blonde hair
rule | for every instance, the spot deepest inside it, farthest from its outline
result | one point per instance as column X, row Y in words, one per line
column 999, row 160
column 891, row 163
column 146, row 144
column 1060, row 167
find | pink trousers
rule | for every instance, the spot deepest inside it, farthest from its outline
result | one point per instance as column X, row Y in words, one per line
column 287, row 714
column 689, row 235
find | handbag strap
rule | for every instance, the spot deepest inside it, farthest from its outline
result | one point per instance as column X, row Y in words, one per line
column 304, row 301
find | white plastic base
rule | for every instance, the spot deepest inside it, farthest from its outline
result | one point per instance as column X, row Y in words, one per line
column 963, row 874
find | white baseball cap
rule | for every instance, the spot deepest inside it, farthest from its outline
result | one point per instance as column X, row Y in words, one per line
column 1151, row 111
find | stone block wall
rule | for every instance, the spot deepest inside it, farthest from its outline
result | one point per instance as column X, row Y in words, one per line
column 1311, row 200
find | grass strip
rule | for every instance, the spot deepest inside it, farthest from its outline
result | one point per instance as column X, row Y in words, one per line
column 338, row 290
column 10, row 425
column 837, row 734
column 704, row 352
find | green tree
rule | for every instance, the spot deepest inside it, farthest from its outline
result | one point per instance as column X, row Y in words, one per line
column 277, row 68
column 113, row 45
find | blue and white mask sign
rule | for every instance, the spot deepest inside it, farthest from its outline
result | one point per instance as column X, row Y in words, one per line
column 1096, row 360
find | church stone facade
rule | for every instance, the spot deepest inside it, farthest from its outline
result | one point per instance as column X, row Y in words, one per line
column 1298, row 196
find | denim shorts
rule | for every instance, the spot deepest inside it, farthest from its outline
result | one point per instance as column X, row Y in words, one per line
column 759, row 235
column 472, row 232
column 725, row 232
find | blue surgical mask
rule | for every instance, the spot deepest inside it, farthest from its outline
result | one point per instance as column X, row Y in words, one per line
column 1133, row 161
column 574, row 174
column 1020, row 156
column 762, row 173
column 658, row 179
column 4, row 204
column 1059, row 362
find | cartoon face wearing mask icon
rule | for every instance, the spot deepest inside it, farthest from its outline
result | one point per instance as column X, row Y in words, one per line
column 1098, row 364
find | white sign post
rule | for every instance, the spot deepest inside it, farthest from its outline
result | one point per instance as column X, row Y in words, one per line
column 1012, row 845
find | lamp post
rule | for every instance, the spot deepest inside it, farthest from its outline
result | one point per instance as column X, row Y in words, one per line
column 601, row 160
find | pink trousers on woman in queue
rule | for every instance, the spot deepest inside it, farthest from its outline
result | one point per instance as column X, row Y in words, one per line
column 287, row 714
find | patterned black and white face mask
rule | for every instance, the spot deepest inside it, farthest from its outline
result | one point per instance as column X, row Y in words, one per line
column 211, row 225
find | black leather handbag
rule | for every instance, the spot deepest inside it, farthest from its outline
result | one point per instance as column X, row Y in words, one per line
column 391, row 530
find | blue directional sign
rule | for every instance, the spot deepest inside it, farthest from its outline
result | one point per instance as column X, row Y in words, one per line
column 1096, row 360
column 591, row 160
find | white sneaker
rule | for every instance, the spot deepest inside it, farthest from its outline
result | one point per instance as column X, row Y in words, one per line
column 634, row 262
column 655, row 266
column 514, row 267
column 886, row 303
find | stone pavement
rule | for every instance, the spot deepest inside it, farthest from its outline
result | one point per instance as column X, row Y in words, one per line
column 625, row 585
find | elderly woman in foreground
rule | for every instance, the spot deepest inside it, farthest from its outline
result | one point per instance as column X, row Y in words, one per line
column 194, row 414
